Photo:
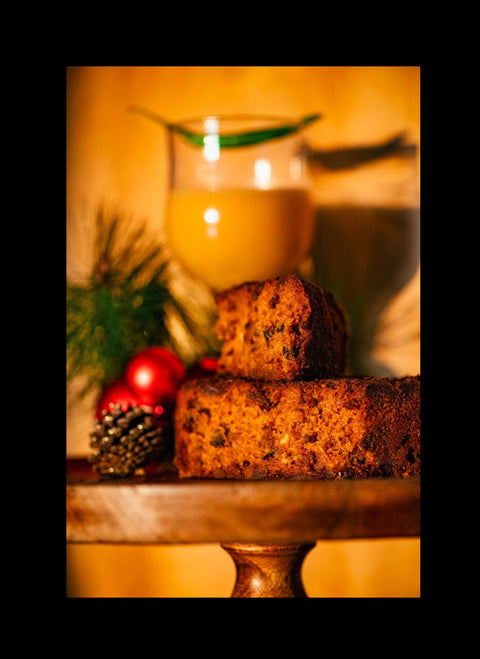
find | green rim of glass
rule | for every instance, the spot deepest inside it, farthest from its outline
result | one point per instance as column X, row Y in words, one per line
column 234, row 140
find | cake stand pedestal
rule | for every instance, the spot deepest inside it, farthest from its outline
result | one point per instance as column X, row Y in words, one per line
column 267, row 527
column 268, row 570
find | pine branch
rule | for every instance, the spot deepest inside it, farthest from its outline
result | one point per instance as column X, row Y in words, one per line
column 125, row 305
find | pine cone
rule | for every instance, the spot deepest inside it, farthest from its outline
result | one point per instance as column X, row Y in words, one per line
column 126, row 441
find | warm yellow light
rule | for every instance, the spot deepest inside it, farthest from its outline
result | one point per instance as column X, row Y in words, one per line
column 211, row 216
column 211, row 147
column 263, row 173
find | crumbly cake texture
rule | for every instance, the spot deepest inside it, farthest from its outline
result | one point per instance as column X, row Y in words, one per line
column 348, row 427
column 286, row 328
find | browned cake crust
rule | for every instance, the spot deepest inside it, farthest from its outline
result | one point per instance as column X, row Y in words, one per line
column 285, row 328
column 349, row 427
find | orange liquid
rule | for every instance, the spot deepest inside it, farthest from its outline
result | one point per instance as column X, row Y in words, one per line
column 226, row 237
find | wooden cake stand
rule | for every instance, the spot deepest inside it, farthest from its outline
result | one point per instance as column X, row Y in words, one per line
column 267, row 527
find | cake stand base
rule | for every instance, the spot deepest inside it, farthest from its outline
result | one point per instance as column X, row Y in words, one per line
column 268, row 570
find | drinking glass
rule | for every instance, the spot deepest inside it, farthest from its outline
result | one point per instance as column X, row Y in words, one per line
column 239, row 202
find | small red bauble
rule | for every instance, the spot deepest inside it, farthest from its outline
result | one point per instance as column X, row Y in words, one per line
column 209, row 364
column 116, row 392
column 203, row 368
column 154, row 375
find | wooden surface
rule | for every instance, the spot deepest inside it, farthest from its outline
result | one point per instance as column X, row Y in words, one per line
column 161, row 508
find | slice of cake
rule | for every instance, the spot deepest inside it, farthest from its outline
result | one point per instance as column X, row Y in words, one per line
column 348, row 427
column 285, row 328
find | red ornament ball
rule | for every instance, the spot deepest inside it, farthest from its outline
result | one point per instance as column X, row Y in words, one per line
column 116, row 392
column 203, row 368
column 154, row 375
column 175, row 363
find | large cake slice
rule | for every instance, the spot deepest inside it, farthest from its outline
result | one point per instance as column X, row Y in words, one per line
column 347, row 427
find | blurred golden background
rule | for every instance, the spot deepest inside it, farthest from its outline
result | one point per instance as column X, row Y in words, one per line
column 366, row 249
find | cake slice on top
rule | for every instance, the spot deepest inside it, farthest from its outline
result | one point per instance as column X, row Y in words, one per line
column 286, row 328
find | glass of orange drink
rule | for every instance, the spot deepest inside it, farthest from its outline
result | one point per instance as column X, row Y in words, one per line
column 239, row 204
